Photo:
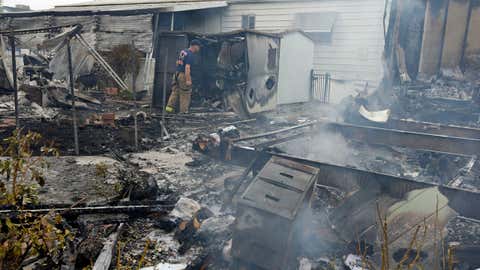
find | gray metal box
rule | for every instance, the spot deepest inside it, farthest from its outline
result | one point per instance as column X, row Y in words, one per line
column 267, row 213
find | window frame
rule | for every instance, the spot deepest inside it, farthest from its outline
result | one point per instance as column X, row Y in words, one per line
column 248, row 21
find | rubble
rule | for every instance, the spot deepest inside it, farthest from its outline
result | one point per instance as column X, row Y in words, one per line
column 214, row 189
column 305, row 264
column 354, row 262
column 207, row 234
column 185, row 209
column 166, row 266
column 215, row 228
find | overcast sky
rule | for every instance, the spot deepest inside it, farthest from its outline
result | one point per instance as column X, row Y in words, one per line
column 41, row 4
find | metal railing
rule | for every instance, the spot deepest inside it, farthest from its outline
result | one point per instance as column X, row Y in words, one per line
column 320, row 87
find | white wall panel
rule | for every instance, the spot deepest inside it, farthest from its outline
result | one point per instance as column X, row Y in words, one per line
column 356, row 48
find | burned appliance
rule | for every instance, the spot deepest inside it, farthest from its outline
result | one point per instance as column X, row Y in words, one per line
column 268, row 222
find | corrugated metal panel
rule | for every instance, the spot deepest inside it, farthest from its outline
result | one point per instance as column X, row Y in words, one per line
column 122, row 24
column 86, row 21
column 355, row 51
column 117, row 30
column 23, row 23
column 106, row 41
column 127, row 8
column 26, row 23
column 131, row 2
column 161, row 6
column 109, row 31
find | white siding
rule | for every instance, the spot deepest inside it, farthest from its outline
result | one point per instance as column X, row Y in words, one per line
column 355, row 52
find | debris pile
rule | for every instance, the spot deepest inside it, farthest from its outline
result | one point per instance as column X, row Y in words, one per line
column 304, row 186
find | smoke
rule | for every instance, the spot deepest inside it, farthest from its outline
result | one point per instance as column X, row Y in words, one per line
column 325, row 146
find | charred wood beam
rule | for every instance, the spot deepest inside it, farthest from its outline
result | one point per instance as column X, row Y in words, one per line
column 401, row 138
column 100, row 60
column 276, row 132
column 32, row 14
column 458, row 179
column 106, row 255
column 267, row 144
column 433, row 128
column 106, row 203
column 411, row 134
column 444, row 31
column 468, row 253
column 74, row 211
column 467, row 30
column 71, row 82
column 14, row 73
column 343, row 177
column 21, row 32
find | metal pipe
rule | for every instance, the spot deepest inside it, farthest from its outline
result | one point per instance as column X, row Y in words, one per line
column 153, row 55
column 274, row 132
column 102, row 62
column 72, row 93
column 172, row 22
column 14, row 73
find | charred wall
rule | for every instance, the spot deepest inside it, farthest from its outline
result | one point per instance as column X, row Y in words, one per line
column 435, row 35
column 435, row 15
column 109, row 30
column 455, row 31
column 411, row 33
column 473, row 36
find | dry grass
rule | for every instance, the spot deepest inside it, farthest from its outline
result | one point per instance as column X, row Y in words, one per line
column 443, row 258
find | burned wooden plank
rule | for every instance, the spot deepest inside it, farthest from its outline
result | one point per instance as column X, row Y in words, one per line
column 105, row 258
column 73, row 211
column 433, row 128
column 276, row 132
column 401, row 138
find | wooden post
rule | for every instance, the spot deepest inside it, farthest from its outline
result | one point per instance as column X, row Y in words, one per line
column 442, row 45
column 14, row 73
column 467, row 30
column 72, row 93
column 153, row 55
column 164, row 96
column 134, row 92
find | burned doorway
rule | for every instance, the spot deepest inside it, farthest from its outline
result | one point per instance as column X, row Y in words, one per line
column 168, row 46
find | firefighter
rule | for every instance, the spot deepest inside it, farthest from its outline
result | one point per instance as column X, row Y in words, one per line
column 182, row 80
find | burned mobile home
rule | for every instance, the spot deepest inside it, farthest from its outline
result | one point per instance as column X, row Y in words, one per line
column 302, row 149
column 246, row 70
column 108, row 27
column 348, row 35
